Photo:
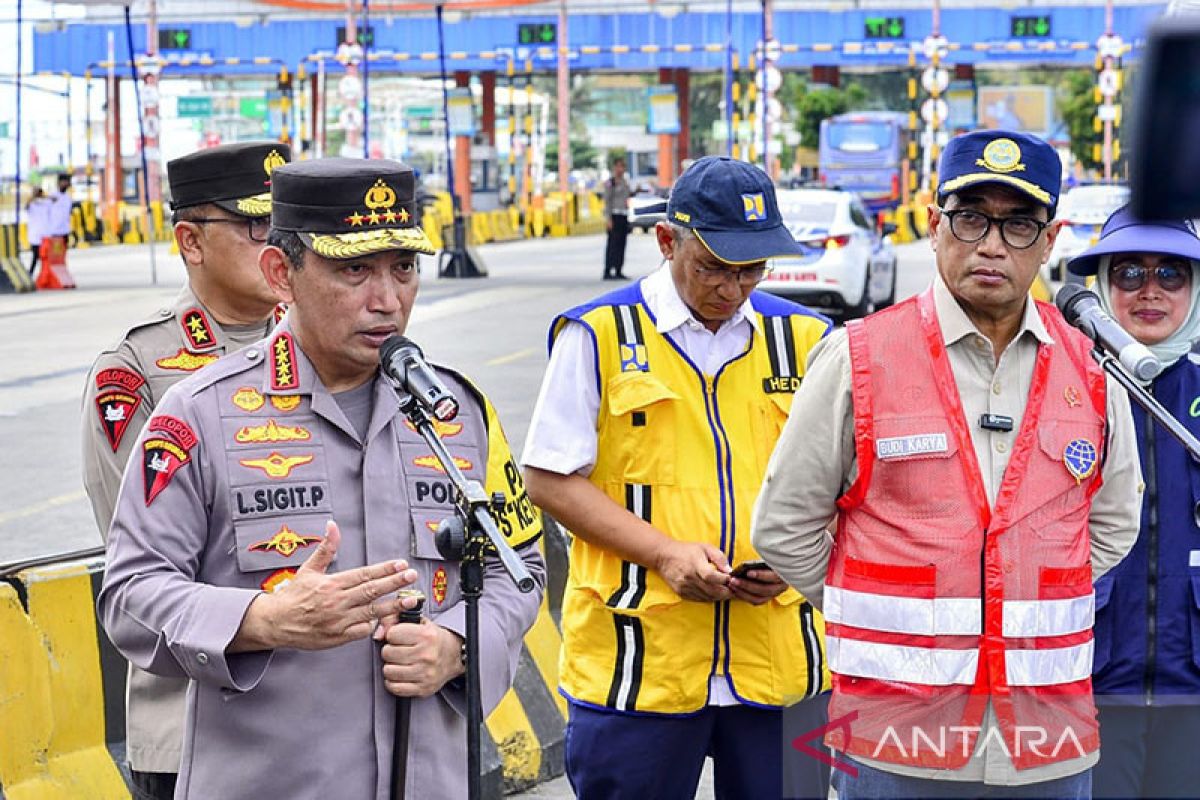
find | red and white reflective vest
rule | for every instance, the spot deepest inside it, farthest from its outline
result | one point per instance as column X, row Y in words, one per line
column 936, row 602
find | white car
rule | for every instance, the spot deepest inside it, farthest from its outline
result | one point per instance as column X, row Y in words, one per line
column 848, row 269
column 1083, row 211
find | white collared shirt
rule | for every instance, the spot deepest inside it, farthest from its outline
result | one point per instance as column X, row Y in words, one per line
column 562, row 430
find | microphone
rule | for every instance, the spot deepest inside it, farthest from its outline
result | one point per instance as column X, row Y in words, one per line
column 1081, row 308
column 403, row 362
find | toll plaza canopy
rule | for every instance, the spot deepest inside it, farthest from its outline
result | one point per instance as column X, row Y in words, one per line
column 484, row 34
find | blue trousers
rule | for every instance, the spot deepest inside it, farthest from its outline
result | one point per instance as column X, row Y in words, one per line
column 876, row 784
column 1149, row 752
column 649, row 757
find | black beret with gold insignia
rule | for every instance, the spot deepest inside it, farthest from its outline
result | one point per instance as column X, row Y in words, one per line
column 236, row 177
column 349, row 207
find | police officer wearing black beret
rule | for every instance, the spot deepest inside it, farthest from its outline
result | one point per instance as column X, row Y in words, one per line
column 284, row 500
column 221, row 201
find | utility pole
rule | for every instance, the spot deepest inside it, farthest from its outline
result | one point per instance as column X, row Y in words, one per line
column 150, row 118
column 564, row 111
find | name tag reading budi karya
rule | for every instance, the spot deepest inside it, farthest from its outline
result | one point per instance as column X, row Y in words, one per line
column 915, row 445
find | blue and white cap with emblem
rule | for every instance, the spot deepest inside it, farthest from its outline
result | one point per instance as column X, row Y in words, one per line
column 732, row 208
column 1014, row 159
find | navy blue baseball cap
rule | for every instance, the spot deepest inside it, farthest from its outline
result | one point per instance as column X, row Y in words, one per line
column 1125, row 233
column 731, row 207
column 1010, row 158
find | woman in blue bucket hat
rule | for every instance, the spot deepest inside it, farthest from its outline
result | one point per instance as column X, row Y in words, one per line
column 1146, row 669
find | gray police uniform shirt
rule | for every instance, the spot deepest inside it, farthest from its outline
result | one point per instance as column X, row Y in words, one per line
column 227, row 493
column 123, row 387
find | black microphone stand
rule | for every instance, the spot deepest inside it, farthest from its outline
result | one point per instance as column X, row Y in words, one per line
column 1147, row 401
column 465, row 537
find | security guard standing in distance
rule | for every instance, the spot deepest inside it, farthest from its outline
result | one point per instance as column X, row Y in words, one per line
column 221, row 205
column 278, row 498
column 658, row 411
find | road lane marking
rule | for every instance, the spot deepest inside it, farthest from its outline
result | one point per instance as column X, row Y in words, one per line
column 511, row 357
column 45, row 505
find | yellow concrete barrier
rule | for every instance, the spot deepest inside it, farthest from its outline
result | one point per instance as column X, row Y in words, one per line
column 51, row 694
column 432, row 223
column 59, row 683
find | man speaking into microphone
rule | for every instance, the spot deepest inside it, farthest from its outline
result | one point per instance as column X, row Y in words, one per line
column 981, row 473
column 278, row 499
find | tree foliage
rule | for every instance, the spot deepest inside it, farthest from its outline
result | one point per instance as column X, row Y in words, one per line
column 814, row 105
column 1077, row 105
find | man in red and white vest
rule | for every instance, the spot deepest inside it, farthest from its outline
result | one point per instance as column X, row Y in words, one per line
column 981, row 474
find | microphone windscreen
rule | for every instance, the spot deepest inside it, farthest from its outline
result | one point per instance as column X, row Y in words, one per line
column 1069, row 299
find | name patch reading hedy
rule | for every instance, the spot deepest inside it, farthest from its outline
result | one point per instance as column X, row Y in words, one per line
column 283, row 363
column 116, row 401
column 197, row 330
column 163, row 454
column 781, row 384
column 915, row 445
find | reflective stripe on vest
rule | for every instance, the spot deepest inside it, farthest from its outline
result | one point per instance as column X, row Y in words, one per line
column 956, row 616
column 943, row 666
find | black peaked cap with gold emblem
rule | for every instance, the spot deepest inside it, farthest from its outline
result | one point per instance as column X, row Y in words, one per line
column 236, row 177
column 349, row 207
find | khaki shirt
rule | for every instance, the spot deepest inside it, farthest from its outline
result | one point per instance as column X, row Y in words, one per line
column 124, row 386
column 814, row 463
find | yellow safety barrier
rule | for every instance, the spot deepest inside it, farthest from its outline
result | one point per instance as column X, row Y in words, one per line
column 920, row 218
column 432, row 224
column 51, row 694
column 14, row 278
column 61, row 685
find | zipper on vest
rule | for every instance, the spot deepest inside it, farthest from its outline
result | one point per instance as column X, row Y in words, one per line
column 983, row 587
column 1151, row 559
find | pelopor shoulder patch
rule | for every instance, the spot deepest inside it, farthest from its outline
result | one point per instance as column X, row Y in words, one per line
column 167, row 448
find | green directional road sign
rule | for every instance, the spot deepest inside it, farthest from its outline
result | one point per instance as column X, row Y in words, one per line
column 194, row 106
column 253, row 107
column 1031, row 27
column 541, row 33
column 174, row 39
column 883, row 28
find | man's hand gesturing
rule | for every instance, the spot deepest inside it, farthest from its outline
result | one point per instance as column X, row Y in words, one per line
column 316, row 609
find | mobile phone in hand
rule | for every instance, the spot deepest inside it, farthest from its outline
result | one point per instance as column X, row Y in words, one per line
column 746, row 566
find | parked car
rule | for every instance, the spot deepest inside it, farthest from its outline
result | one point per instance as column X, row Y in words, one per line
column 646, row 209
column 1083, row 211
column 848, row 268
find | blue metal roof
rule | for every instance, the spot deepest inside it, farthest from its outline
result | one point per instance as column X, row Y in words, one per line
column 481, row 42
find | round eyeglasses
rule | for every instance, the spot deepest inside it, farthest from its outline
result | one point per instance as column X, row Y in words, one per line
column 1018, row 233
column 1131, row 276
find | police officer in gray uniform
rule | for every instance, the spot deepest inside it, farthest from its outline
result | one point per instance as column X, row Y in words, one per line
column 278, row 499
column 221, row 205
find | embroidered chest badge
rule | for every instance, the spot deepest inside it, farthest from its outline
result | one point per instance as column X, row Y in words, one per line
column 1072, row 396
column 439, row 585
column 915, row 445
column 1079, row 457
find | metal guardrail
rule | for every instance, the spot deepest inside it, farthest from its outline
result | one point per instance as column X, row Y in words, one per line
column 11, row 568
